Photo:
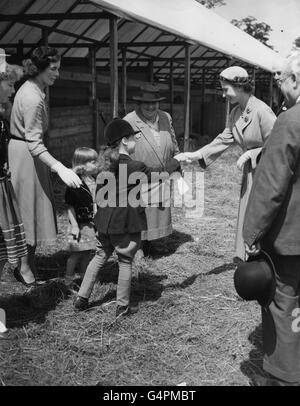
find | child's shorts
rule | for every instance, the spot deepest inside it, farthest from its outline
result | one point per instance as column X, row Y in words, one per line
column 124, row 244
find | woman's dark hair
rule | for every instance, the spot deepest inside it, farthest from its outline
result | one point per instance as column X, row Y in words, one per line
column 108, row 160
column 245, row 85
column 40, row 59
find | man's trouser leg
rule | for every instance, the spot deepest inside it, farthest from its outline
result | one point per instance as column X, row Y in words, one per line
column 281, row 322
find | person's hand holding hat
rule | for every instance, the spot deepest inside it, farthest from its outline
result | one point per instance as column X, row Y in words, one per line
column 255, row 278
column 253, row 250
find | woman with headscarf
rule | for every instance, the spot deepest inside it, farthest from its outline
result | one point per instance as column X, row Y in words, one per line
column 250, row 123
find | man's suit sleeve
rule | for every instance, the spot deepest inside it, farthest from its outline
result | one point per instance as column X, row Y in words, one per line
column 272, row 177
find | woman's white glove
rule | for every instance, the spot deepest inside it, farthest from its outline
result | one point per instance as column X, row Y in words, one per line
column 188, row 157
column 68, row 176
column 243, row 159
column 251, row 154
column 227, row 134
column 75, row 232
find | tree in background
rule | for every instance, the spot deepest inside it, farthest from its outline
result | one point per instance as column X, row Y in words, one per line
column 260, row 31
column 296, row 46
column 212, row 3
column 297, row 42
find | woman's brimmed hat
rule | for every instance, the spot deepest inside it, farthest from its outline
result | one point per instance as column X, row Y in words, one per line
column 235, row 75
column 148, row 93
column 255, row 279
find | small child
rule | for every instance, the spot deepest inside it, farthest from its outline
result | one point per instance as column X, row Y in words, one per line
column 119, row 226
column 81, row 209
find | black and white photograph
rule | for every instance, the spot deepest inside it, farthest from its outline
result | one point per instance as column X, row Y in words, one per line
column 149, row 196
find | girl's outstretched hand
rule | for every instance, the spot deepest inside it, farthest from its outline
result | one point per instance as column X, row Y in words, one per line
column 183, row 157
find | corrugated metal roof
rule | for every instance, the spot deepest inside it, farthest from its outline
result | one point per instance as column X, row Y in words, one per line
column 92, row 31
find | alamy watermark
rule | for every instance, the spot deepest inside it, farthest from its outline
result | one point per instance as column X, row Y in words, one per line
column 184, row 191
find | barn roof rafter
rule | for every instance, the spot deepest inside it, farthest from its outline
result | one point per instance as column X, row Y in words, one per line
column 75, row 26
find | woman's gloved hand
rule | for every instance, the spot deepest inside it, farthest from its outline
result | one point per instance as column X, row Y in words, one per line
column 250, row 154
column 68, row 176
column 243, row 159
column 75, row 232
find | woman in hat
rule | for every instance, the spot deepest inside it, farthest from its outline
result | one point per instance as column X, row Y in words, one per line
column 155, row 146
column 30, row 161
column 12, row 237
column 249, row 124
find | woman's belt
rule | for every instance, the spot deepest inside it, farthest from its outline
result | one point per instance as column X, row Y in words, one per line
column 14, row 137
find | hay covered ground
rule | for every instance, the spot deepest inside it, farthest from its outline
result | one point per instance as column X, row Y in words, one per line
column 191, row 326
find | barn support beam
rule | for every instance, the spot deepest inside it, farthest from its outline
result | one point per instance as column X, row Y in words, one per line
column 93, row 97
column 20, row 50
column 171, row 89
column 271, row 90
column 187, row 96
column 151, row 71
column 114, row 96
column 202, row 100
column 254, row 80
column 47, row 90
column 124, row 82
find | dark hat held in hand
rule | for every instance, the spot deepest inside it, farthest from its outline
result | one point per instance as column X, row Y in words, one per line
column 255, row 279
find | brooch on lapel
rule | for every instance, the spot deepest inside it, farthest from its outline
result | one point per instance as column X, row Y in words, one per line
column 246, row 119
column 248, row 111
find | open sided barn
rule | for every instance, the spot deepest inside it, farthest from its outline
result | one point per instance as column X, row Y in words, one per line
column 110, row 48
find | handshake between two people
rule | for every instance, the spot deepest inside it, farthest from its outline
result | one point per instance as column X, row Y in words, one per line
column 188, row 157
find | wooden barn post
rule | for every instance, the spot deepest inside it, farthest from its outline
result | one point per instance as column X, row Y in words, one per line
column 171, row 89
column 124, row 81
column 151, row 71
column 187, row 96
column 202, row 101
column 20, row 51
column 114, row 96
column 47, row 90
column 271, row 91
column 254, row 80
column 93, row 96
